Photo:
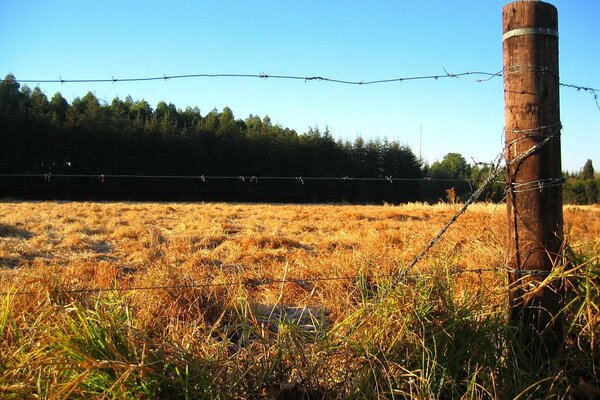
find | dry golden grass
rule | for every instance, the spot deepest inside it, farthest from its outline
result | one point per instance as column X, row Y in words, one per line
column 53, row 248
column 83, row 245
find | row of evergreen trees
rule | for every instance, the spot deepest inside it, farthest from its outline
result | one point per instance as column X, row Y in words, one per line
column 128, row 137
column 43, row 136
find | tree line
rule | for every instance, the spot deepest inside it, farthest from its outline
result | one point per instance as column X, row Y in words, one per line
column 41, row 135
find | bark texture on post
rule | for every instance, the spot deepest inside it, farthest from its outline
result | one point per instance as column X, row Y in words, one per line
column 534, row 178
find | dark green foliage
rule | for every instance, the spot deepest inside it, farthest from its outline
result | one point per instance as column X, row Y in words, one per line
column 453, row 165
column 453, row 179
column 127, row 137
column 11, row 98
column 58, row 109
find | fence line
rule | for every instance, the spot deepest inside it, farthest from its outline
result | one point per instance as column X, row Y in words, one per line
column 495, row 170
column 404, row 273
column 479, row 76
column 249, row 282
column 243, row 178
column 511, row 187
column 485, row 77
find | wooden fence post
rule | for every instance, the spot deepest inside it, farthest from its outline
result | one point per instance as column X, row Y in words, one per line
column 534, row 176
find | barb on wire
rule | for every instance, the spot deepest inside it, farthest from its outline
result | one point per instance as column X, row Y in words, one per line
column 586, row 89
column 538, row 185
column 555, row 131
column 477, row 76
column 242, row 178
column 494, row 172
column 246, row 283
column 164, row 77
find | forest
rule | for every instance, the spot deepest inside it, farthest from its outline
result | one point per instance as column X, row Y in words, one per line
column 43, row 139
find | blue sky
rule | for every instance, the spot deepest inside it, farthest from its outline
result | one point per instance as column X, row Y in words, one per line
column 354, row 40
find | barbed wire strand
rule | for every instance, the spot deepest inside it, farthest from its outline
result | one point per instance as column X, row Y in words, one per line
column 243, row 178
column 250, row 282
column 480, row 77
column 487, row 76
column 306, row 78
column 404, row 273
column 493, row 174
column 592, row 91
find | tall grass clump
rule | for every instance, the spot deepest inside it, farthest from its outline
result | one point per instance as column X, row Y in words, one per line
column 83, row 351
column 423, row 339
column 574, row 371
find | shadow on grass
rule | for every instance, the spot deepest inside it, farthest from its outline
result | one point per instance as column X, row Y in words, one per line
column 9, row 263
column 9, row 231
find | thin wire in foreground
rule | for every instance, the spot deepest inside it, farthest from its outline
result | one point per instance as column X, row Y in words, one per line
column 494, row 172
column 245, row 283
column 243, row 178
column 477, row 76
column 484, row 76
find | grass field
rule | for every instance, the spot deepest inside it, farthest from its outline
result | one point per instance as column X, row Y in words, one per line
column 211, row 318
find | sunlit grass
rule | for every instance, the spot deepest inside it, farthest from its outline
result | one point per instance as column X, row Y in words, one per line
column 437, row 334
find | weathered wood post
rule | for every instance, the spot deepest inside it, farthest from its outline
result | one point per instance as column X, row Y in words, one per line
column 534, row 177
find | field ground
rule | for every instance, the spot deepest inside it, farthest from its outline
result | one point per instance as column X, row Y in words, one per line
column 209, row 285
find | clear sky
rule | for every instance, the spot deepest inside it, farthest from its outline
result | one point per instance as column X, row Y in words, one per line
column 343, row 39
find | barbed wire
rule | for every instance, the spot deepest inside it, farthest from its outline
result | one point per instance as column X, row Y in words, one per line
column 243, row 178
column 477, row 76
column 586, row 89
column 481, row 76
column 537, row 185
column 511, row 187
column 307, row 78
column 495, row 170
column 555, row 131
column 250, row 282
